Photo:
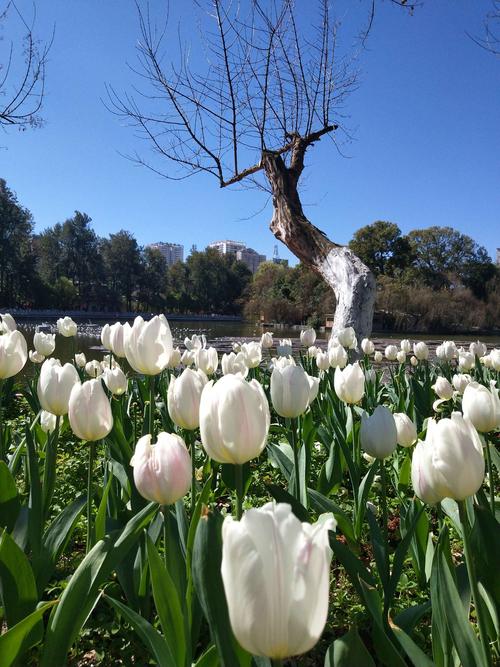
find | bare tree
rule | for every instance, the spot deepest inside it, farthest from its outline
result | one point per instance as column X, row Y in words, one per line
column 491, row 38
column 270, row 91
column 22, row 74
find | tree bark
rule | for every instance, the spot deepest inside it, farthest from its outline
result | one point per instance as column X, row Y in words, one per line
column 352, row 281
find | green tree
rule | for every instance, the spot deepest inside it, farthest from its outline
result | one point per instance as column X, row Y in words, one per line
column 382, row 248
column 122, row 261
column 153, row 280
column 17, row 262
column 443, row 255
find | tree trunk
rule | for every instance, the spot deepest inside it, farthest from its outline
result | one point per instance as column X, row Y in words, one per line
column 352, row 282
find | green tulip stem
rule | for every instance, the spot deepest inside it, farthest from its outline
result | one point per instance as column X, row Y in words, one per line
column 49, row 468
column 74, row 350
column 471, row 570
column 151, row 407
column 238, row 476
column 2, row 454
column 490, row 475
column 295, row 447
column 191, row 439
column 90, row 474
column 166, row 518
column 385, row 517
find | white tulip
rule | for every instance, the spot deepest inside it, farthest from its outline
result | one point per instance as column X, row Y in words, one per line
column 450, row 463
column 89, row 411
column 482, row 406
column 407, row 431
column 116, row 381
column 93, row 368
column 405, row 346
column 148, row 345
column 460, row 381
column 443, row 388
column 196, row 342
column 307, row 337
column 421, row 351
column 391, row 353
column 175, row 358
column 337, row 356
column 234, row 419
column 7, row 323
column 48, row 421
column 378, row 357
column 36, row 357
column 13, row 353
column 312, row 351
column 55, row 384
column 478, row 349
column 378, row 433
column 162, row 472
column 413, row 360
column 44, row 343
column 401, row 356
column 350, row 383
column 322, row 361
column 466, row 360
column 206, row 360
column 276, row 575
column 66, row 327
column 183, row 398
column 80, row 360
column 346, row 337
column 266, row 340
column 187, row 358
column 234, row 363
column 368, row 346
column 253, row 353
column 290, row 390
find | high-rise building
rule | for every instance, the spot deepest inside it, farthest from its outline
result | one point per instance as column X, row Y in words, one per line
column 251, row 258
column 173, row 252
column 227, row 247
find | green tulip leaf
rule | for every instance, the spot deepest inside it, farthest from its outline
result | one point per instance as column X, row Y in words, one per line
column 282, row 496
column 19, row 638
column 348, row 651
column 10, row 504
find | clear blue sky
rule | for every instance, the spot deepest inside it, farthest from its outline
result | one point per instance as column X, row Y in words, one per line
column 425, row 122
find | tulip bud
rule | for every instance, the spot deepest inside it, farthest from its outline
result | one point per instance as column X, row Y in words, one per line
column 406, row 429
column 368, row 346
column 89, row 411
column 116, row 381
column 13, row 353
column 450, row 463
column 284, row 349
column 290, row 391
column 443, row 388
column 93, row 368
column 234, row 419
column 55, row 384
column 234, row 363
column 337, row 356
column 401, row 356
column 346, row 337
column 162, row 472
column 253, row 353
column 266, row 340
column 322, row 361
column 350, row 383
column 308, row 337
column 421, row 351
column 7, row 323
column 183, row 398
column 378, row 357
column 48, row 421
column 391, row 353
column 148, row 345
column 277, row 596
column 460, row 381
column 405, row 346
column 413, row 360
column 66, row 327
column 482, row 406
column 44, row 343
column 105, row 336
column 80, row 360
column 206, row 360
column 36, row 357
column 175, row 358
column 378, row 433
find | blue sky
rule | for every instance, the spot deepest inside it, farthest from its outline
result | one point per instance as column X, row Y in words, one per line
column 424, row 119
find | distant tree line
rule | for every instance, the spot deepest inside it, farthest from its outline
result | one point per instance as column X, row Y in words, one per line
column 430, row 279
column 68, row 266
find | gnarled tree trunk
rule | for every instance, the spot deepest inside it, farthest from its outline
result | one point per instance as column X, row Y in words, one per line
column 352, row 282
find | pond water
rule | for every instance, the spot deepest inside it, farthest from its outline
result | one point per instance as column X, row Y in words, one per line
column 220, row 334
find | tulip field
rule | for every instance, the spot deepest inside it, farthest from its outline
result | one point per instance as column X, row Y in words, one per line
column 270, row 506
